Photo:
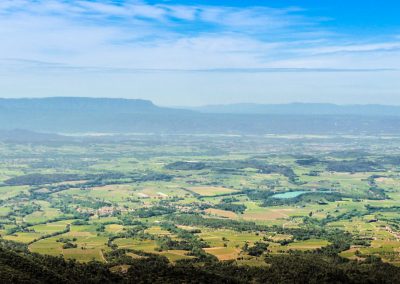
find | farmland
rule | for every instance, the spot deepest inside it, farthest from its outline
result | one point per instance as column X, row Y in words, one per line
column 205, row 198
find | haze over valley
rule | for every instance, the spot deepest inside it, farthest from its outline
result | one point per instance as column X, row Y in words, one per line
column 181, row 141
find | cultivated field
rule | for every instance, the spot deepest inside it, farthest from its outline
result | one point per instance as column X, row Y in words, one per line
column 235, row 198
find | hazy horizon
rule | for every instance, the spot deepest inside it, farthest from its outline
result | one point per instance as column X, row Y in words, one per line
column 207, row 105
column 188, row 54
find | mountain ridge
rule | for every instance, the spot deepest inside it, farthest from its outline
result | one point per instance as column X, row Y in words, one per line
column 82, row 114
column 302, row 108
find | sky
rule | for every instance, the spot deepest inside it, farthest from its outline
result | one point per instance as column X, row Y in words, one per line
column 190, row 53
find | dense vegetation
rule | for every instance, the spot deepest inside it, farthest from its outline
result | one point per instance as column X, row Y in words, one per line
column 34, row 268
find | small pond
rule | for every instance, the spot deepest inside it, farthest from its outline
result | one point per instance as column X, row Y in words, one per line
column 290, row 194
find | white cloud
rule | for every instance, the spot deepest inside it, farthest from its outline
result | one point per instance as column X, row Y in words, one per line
column 85, row 33
column 67, row 37
column 353, row 47
column 147, row 36
column 188, row 13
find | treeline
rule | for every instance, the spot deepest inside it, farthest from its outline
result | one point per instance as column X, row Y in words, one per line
column 359, row 164
column 154, row 211
column 228, row 204
column 352, row 166
column 91, row 179
column 237, row 208
column 38, row 179
column 186, row 166
column 235, row 165
column 149, row 268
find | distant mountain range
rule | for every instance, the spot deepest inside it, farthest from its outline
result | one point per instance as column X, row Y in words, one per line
column 19, row 135
column 302, row 109
column 77, row 115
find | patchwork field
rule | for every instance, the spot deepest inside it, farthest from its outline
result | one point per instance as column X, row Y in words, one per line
column 240, row 199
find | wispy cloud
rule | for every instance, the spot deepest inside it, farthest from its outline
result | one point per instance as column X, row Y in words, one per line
column 64, row 25
column 130, row 37
column 352, row 47
column 18, row 65
column 136, row 34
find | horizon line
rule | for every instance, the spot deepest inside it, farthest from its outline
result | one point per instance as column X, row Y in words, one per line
column 198, row 106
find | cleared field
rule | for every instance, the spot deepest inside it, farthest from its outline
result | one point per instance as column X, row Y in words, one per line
column 224, row 253
column 135, row 244
column 12, row 191
column 114, row 228
column 256, row 213
column 23, row 237
column 308, row 244
column 158, row 231
column 217, row 238
column 49, row 228
column 221, row 213
column 162, row 192
column 115, row 193
column 174, row 255
column 211, row 190
column 89, row 246
column 42, row 216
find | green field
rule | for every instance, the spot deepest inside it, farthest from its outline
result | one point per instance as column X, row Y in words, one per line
column 184, row 198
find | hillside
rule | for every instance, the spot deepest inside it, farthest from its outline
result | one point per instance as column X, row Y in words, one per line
column 33, row 268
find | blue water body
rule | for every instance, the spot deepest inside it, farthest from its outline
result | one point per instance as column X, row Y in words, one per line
column 290, row 194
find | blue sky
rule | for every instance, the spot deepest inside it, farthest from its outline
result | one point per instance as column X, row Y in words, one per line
column 202, row 52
